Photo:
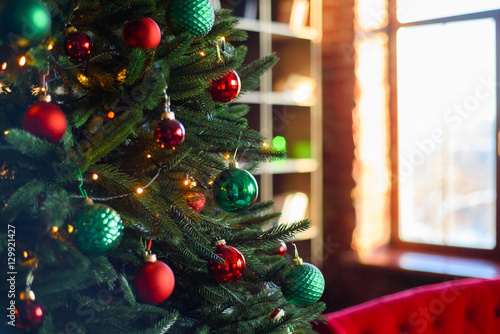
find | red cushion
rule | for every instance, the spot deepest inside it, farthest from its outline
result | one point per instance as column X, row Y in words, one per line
column 466, row 306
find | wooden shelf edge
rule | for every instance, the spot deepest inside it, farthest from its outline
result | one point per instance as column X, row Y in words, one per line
column 286, row 166
column 275, row 98
column 278, row 29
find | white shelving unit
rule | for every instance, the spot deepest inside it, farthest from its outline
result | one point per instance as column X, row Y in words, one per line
column 299, row 48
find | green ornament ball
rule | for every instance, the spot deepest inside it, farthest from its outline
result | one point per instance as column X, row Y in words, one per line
column 23, row 23
column 98, row 228
column 303, row 285
column 194, row 16
column 235, row 190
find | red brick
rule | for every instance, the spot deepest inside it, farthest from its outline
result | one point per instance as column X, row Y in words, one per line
column 338, row 104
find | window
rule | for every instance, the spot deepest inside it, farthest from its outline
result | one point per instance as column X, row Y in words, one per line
column 441, row 112
column 446, row 133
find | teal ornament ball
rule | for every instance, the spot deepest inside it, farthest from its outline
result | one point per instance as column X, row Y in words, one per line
column 98, row 228
column 23, row 23
column 235, row 189
column 304, row 284
column 194, row 16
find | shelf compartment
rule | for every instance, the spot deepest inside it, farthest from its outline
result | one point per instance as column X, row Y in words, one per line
column 274, row 98
column 248, row 9
column 294, row 125
column 293, row 199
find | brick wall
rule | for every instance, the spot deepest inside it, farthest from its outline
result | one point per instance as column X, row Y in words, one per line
column 338, row 103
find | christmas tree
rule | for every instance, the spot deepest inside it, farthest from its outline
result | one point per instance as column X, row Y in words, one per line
column 123, row 208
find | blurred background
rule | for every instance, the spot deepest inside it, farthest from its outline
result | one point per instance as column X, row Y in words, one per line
column 388, row 110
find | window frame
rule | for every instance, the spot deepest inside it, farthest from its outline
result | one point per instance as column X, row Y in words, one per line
column 395, row 241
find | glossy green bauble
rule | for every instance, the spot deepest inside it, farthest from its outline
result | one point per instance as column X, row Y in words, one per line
column 23, row 23
column 98, row 228
column 235, row 190
column 303, row 285
column 193, row 16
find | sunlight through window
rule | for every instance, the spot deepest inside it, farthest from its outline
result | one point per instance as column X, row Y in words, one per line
column 447, row 132
column 412, row 10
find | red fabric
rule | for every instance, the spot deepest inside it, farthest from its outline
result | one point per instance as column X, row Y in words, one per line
column 466, row 306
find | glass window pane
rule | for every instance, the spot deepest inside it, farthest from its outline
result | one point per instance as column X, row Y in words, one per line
column 411, row 10
column 371, row 14
column 446, row 133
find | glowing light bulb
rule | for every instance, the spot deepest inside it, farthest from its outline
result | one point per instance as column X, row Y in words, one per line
column 55, row 229
column 22, row 61
column 111, row 114
column 95, row 176
column 6, row 132
column 279, row 142
column 4, row 66
column 140, row 190
column 39, row 312
column 149, row 156
column 202, row 53
column 70, row 228
column 25, row 254
column 83, row 79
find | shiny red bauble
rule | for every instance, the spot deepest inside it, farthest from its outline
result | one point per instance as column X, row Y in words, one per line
column 226, row 88
column 77, row 46
column 169, row 133
column 45, row 120
column 282, row 249
column 234, row 263
column 142, row 33
column 29, row 314
column 153, row 281
column 196, row 201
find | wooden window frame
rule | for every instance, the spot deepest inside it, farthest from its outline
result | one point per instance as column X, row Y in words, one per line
column 395, row 240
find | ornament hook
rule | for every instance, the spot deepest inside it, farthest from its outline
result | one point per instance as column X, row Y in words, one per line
column 167, row 100
column 68, row 22
column 45, row 86
column 29, row 280
column 297, row 260
column 80, row 178
column 168, row 114
column 150, row 242
column 221, row 48
column 238, row 145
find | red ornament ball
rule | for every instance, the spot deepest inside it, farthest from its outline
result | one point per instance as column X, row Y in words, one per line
column 29, row 314
column 196, row 201
column 282, row 249
column 78, row 46
column 153, row 281
column 45, row 120
column 142, row 33
column 226, row 88
column 234, row 263
column 169, row 133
